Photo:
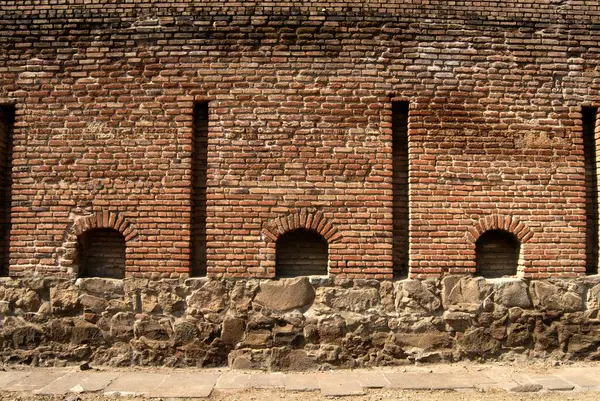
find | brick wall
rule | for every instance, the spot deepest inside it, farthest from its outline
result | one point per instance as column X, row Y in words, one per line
column 301, row 118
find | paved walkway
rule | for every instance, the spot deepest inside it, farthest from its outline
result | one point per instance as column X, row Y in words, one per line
column 195, row 383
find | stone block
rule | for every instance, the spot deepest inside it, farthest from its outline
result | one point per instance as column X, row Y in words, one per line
column 210, row 298
column 184, row 332
column 352, row 299
column 233, row 330
column 464, row 293
column 153, row 329
column 98, row 286
column 416, row 296
column 64, row 301
column 512, row 293
column 285, row 294
column 557, row 296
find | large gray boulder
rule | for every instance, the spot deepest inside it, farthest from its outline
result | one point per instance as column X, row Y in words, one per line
column 351, row 299
column 417, row 296
column 464, row 293
column 557, row 296
column 512, row 293
column 285, row 294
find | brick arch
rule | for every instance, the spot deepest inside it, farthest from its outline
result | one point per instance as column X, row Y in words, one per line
column 499, row 222
column 105, row 219
column 68, row 253
column 303, row 218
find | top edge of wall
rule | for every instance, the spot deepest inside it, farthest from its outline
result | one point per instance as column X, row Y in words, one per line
column 510, row 11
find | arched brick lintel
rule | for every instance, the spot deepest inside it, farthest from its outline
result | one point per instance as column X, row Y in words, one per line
column 303, row 218
column 105, row 219
column 499, row 222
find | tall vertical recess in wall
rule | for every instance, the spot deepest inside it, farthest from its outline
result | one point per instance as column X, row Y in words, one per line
column 199, row 162
column 400, row 187
column 589, row 116
column 7, row 123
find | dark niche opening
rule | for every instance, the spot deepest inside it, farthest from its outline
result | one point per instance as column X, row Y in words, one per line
column 301, row 253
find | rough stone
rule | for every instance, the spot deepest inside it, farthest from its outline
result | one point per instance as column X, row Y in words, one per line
column 291, row 359
column 92, row 303
column 101, row 286
column 285, row 294
column 556, row 296
column 459, row 321
column 159, row 330
column 28, row 300
column 332, row 332
column 464, row 293
column 478, row 342
column 512, row 294
column 184, row 332
column 416, row 296
column 85, row 333
column 121, row 326
column 26, row 336
column 425, row 341
column 581, row 343
column 210, row 298
column 355, row 299
column 233, row 330
column 64, row 300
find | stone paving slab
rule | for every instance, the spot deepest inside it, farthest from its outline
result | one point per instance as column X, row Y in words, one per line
column 233, row 381
column 580, row 377
column 301, row 382
column 190, row 384
column 95, row 382
column 7, row 378
column 371, row 379
column 35, row 380
column 186, row 385
column 339, row 384
column 504, row 379
column 64, row 384
column 552, row 383
column 135, row 383
column 429, row 381
column 266, row 380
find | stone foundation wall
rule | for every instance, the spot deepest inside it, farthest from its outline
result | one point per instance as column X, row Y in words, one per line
column 298, row 323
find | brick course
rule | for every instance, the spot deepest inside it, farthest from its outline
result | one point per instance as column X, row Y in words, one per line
column 300, row 122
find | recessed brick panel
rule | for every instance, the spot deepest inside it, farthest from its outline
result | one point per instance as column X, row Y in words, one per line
column 199, row 159
column 589, row 117
column 400, row 187
column 7, row 121
column 101, row 253
column 497, row 254
column 301, row 253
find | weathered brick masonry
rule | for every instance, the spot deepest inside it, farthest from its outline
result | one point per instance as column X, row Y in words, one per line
column 300, row 108
column 158, row 140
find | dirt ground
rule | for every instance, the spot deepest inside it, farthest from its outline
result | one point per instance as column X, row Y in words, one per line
column 371, row 395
